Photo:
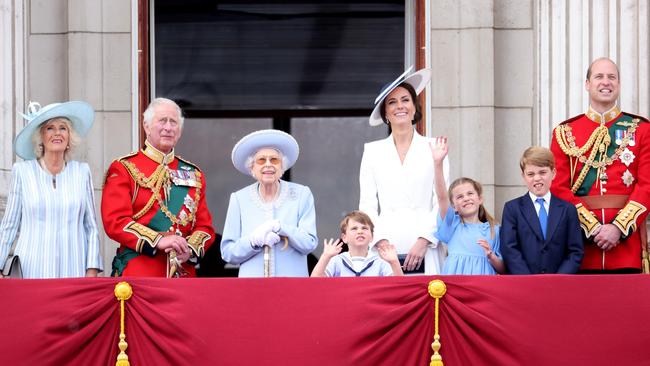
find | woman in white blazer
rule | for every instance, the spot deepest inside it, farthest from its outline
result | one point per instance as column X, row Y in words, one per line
column 396, row 178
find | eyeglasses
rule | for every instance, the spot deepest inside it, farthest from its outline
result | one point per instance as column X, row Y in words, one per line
column 261, row 160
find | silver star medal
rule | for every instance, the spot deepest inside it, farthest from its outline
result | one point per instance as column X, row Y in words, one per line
column 182, row 215
column 628, row 179
column 627, row 157
column 189, row 203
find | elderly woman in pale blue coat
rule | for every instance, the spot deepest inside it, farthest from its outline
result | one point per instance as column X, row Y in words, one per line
column 271, row 224
column 51, row 198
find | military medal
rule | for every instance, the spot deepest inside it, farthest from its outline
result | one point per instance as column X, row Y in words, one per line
column 183, row 215
column 627, row 157
column 628, row 178
column 618, row 137
column 630, row 135
column 184, row 178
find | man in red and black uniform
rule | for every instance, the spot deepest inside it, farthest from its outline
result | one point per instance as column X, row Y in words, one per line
column 153, row 203
column 603, row 168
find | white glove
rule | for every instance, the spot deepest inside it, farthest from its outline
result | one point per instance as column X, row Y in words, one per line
column 259, row 236
column 274, row 225
column 271, row 239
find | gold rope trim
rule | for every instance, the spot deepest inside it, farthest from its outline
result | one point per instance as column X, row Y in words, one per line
column 437, row 290
column 123, row 292
column 599, row 140
column 155, row 183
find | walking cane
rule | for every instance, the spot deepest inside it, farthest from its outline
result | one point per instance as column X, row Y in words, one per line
column 267, row 261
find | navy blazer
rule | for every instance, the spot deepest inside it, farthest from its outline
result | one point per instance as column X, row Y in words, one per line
column 523, row 248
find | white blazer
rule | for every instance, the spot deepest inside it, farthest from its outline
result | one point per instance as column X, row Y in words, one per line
column 400, row 198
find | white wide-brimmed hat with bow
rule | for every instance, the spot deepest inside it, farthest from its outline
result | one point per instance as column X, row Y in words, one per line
column 417, row 80
column 274, row 139
column 80, row 114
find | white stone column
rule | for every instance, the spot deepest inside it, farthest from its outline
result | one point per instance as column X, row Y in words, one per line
column 11, row 86
column 462, row 87
column 514, row 85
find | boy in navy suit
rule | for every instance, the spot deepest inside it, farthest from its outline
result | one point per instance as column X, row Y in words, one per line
column 540, row 232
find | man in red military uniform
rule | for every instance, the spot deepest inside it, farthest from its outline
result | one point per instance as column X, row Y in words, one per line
column 603, row 168
column 153, row 203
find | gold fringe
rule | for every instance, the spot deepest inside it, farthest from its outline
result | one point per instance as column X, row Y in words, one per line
column 437, row 290
column 123, row 292
column 645, row 262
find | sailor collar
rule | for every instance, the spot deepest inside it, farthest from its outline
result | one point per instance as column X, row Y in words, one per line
column 605, row 117
column 157, row 155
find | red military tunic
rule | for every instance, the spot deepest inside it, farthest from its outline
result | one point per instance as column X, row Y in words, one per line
column 146, row 196
column 603, row 168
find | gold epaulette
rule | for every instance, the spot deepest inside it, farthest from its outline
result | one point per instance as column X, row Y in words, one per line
column 129, row 155
column 588, row 221
column 640, row 118
column 626, row 218
column 572, row 119
column 133, row 153
column 188, row 163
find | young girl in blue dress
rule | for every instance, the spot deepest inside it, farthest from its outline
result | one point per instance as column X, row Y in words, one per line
column 471, row 234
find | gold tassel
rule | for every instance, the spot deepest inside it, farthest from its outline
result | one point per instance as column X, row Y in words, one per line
column 645, row 262
column 437, row 290
column 123, row 292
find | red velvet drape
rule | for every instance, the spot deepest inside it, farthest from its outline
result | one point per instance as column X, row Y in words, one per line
column 494, row 320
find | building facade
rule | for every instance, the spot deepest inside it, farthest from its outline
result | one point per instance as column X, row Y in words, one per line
column 505, row 72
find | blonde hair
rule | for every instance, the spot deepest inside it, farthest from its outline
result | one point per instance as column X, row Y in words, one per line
column 358, row 216
column 73, row 140
column 537, row 156
column 483, row 214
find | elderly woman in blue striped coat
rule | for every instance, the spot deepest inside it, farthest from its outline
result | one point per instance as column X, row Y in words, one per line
column 51, row 196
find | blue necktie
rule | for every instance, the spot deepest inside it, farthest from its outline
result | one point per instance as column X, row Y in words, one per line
column 543, row 217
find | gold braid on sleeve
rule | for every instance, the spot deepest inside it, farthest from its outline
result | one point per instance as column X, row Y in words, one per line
column 626, row 218
column 588, row 221
column 197, row 242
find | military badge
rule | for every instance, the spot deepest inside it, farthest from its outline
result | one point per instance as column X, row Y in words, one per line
column 631, row 136
column 627, row 157
column 189, row 203
column 183, row 215
column 618, row 136
column 183, row 177
column 628, row 178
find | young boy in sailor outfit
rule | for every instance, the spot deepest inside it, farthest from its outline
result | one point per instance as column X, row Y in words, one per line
column 356, row 232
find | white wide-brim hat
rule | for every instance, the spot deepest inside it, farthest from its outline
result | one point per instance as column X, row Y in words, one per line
column 417, row 80
column 80, row 114
column 274, row 139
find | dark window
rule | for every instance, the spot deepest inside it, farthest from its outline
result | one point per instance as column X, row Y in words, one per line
column 291, row 58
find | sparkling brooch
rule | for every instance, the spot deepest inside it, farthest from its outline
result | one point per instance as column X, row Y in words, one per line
column 189, row 203
column 628, row 179
column 627, row 157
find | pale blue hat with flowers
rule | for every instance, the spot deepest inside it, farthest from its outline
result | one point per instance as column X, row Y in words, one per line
column 274, row 139
column 80, row 114
column 418, row 80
